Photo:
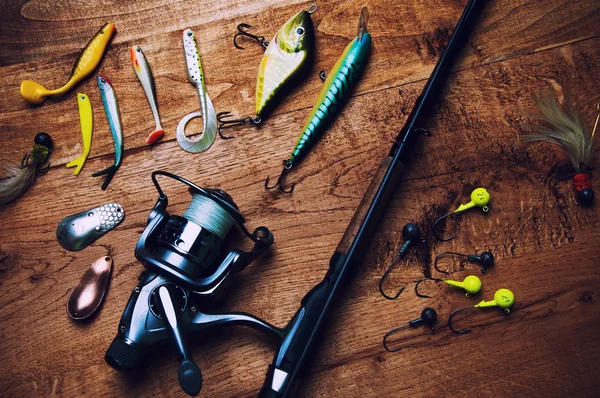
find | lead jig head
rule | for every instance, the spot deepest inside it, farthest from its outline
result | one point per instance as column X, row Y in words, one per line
column 480, row 197
column 411, row 234
column 471, row 284
column 485, row 259
column 503, row 298
column 428, row 317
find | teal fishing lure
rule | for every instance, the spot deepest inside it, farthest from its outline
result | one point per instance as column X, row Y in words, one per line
column 111, row 108
column 339, row 83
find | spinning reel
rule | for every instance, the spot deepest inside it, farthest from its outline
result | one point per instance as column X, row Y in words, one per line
column 187, row 265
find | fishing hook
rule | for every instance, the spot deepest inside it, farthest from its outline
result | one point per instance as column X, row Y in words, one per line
column 485, row 259
column 428, row 317
column 410, row 234
column 479, row 198
column 503, row 298
column 223, row 118
column 286, row 166
column 242, row 32
column 471, row 284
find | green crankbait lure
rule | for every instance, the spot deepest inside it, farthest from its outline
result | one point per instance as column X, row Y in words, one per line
column 287, row 55
column 339, row 83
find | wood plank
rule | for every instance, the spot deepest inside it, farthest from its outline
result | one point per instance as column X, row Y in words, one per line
column 545, row 244
column 405, row 50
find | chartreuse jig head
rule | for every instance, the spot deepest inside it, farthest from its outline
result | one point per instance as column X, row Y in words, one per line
column 503, row 298
column 471, row 284
column 480, row 197
column 428, row 317
column 485, row 259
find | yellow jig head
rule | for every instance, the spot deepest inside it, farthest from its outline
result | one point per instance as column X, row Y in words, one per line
column 503, row 298
column 34, row 93
column 86, row 121
column 480, row 197
column 471, row 284
column 428, row 317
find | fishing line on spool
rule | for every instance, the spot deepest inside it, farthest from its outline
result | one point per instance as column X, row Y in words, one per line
column 208, row 214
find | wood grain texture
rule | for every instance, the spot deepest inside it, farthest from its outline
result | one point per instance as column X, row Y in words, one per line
column 546, row 245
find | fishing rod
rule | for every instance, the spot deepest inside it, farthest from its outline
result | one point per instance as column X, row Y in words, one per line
column 301, row 334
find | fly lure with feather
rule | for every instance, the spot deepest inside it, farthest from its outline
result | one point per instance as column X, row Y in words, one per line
column 562, row 125
column 20, row 177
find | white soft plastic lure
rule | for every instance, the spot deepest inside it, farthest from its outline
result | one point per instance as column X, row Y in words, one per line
column 142, row 70
column 207, row 110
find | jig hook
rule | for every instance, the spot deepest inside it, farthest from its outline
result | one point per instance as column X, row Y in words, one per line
column 223, row 118
column 503, row 298
column 242, row 32
column 286, row 166
column 428, row 317
column 471, row 284
column 479, row 197
column 485, row 259
column 410, row 234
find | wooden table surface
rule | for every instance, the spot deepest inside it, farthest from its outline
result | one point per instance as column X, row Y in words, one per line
column 546, row 245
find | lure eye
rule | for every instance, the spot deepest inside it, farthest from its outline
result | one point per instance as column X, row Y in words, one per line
column 139, row 50
column 300, row 31
column 102, row 80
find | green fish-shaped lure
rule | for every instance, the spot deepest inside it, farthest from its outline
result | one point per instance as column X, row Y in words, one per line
column 336, row 89
column 286, row 57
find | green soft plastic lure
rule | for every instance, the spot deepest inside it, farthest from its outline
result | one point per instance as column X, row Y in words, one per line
column 286, row 58
column 336, row 89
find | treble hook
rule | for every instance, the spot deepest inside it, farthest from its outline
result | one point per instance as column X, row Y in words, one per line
column 410, row 234
column 428, row 317
column 242, row 32
column 471, row 284
column 222, row 117
column 485, row 259
column 286, row 166
column 479, row 197
column 503, row 298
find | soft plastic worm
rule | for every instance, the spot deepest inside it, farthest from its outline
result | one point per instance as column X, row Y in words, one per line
column 144, row 74
column 207, row 110
column 86, row 121
column 34, row 93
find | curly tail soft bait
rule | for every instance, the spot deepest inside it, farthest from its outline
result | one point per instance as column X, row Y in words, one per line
column 86, row 121
column 111, row 108
column 34, row 93
column 209, row 116
column 340, row 81
column 144, row 74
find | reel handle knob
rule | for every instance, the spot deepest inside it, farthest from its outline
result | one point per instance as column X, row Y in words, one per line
column 262, row 236
column 190, row 377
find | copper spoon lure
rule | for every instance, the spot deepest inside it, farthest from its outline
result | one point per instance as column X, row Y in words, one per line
column 87, row 296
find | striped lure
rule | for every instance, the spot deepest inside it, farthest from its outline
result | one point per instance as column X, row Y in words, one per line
column 207, row 110
column 286, row 57
column 340, row 81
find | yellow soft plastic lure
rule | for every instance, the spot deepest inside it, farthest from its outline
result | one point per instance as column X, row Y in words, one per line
column 86, row 120
column 34, row 93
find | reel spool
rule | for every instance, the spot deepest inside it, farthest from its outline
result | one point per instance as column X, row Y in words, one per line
column 188, row 247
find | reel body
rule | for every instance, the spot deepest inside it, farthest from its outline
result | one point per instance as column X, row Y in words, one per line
column 188, row 266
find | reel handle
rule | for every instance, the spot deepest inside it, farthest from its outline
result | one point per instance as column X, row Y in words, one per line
column 190, row 377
